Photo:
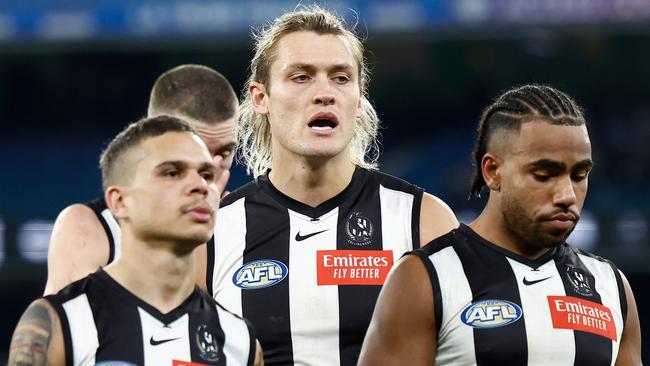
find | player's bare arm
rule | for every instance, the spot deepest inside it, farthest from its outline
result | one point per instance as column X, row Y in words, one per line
column 436, row 219
column 410, row 338
column 629, row 353
column 78, row 247
column 259, row 356
column 37, row 339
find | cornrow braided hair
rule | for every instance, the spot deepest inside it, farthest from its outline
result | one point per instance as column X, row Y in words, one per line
column 514, row 107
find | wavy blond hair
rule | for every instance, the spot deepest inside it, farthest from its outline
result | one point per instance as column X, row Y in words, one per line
column 254, row 148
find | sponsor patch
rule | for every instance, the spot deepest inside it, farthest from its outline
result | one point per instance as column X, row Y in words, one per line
column 570, row 312
column 260, row 274
column 353, row 267
column 491, row 313
column 186, row 363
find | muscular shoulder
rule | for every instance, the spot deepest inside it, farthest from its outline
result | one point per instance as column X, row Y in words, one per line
column 37, row 339
column 436, row 218
column 78, row 246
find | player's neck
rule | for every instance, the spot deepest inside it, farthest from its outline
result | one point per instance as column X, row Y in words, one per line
column 490, row 226
column 312, row 183
column 155, row 274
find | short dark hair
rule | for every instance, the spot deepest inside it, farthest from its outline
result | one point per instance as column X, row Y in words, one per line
column 193, row 91
column 131, row 136
column 516, row 106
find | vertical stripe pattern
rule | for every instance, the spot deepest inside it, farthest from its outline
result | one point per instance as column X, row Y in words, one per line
column 455, row 339
column 314, row 309
column 162, row 342
column 229, row 244
column 116, row 232
column 238, row 343
column 82, row 330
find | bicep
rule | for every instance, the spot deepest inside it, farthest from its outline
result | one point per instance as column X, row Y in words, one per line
column 78, row 246
column 436, row 219
column 629, row 352
column 402, row 330
column 37, row 339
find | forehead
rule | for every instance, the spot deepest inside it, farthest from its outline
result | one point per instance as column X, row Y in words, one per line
column 542, row 140
column 174, row 146
column 310, row 48
column 217, row 135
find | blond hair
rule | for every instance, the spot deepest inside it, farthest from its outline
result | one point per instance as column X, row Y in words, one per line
column 254, row 148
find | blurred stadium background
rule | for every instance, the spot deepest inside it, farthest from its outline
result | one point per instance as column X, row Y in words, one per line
column 73, row 73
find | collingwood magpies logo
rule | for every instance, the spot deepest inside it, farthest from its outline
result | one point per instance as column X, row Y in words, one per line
column 580, row 280
column 359, row 229
column 206, row 342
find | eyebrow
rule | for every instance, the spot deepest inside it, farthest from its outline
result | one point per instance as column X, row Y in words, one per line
column 309, row 67
column 556, row 165
column 180, row 164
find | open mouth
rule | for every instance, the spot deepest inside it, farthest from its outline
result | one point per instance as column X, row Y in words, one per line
column 323, row 121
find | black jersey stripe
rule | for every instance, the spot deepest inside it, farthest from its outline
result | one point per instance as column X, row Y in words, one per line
column 476, row 256
column 591, row 349
column 98, row 205
column 415, row 221
column 268, row 308
column 209, row 273
column 65, row 329
column 355, row 297
column 435, row 287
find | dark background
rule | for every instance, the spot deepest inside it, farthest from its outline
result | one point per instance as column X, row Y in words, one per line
column 63, row 98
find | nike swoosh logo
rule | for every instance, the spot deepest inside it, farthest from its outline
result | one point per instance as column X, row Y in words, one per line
column 303, row 237
column 154, row 342
column 528, row 283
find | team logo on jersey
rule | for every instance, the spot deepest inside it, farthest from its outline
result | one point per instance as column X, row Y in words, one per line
column 115, row 363
column 359, row 229
column 260, row 274
column 568, row 312
column 580, row 280
column 491, row 314
column 206, row 343
column 353, row 267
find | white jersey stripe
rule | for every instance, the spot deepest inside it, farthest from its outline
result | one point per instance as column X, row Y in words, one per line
column 314, row 309
column 540, row 334
column 83, row 331
column 609, row 295
column 396, row 213
column 115, row 230
column 177, row 345
column 229, row 244
column 237, row 344
column 455, row 339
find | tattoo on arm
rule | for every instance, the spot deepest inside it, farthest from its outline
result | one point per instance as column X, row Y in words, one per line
column 31, row 339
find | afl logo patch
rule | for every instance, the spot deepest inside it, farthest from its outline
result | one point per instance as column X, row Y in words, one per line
column 260, row 274
column 491, row 314
column 359, row 229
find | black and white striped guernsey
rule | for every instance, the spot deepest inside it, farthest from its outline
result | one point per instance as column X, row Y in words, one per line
column 105, row 324
column 493, row 307
column 110, row 225
column 308, row 277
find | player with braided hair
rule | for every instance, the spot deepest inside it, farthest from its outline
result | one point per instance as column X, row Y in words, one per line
column 507, row 289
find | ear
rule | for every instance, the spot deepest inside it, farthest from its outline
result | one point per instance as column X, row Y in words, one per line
column 114, row 197
column 490, row 165
column 360, row 104
column 259, row 97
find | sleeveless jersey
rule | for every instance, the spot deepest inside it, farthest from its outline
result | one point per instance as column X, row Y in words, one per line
column 105, row 324
column 110, row 225
column 493, row 307
column 308, row 277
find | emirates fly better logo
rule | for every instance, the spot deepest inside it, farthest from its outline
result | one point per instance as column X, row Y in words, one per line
column 353, row 267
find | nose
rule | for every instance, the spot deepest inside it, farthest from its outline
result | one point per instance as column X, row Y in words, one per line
column 324, row 95
column 197, row 184
column 565, row 193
